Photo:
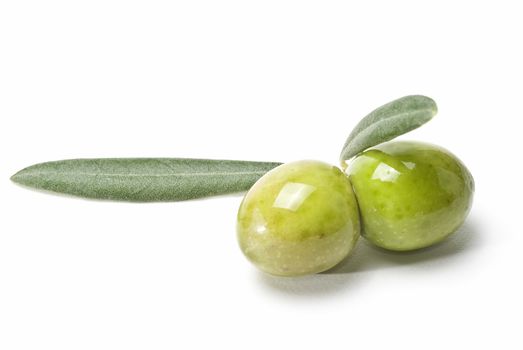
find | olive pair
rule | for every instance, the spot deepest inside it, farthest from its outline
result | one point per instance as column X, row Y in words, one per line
column 305, row 217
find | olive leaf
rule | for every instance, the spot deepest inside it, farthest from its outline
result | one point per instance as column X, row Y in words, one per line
column 143, row 179
column 388, row 122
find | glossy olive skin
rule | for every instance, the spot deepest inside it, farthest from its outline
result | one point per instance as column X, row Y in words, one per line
column 300, row 218
column 410, row 194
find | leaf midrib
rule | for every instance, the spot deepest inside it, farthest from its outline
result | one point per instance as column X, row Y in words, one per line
column 149, row 175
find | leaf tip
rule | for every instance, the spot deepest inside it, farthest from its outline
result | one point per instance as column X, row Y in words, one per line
column 15, row 177
column 20, row 177
column 429, row 103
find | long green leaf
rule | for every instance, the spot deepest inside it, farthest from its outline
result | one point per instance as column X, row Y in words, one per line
column 143, row 179
column 389, row 121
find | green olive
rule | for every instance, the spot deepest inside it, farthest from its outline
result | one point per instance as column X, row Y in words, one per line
column 410, row 194
column 300, row 218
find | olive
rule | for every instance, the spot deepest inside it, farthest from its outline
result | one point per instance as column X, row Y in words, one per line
column 410, row 194
column 299, row 218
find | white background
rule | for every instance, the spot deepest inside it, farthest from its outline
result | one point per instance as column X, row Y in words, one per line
column 258, row 80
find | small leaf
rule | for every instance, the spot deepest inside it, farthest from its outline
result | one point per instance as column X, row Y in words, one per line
column 388, row 122
column 143, row 179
